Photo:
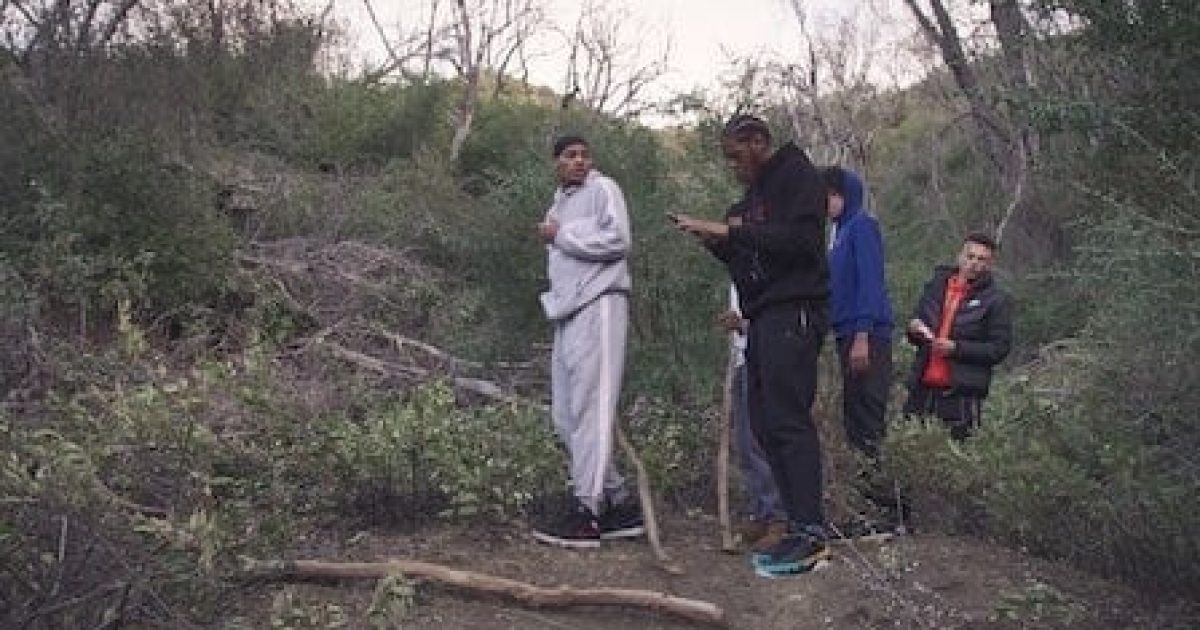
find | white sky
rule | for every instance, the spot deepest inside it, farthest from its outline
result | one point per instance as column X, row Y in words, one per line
column 704, row 34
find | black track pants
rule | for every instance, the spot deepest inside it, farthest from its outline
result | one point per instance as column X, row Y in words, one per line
column 783, row 345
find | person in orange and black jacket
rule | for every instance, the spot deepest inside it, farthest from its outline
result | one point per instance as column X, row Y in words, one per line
column 962, row 328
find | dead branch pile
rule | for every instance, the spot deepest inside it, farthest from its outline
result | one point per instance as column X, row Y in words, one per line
column 360, row 299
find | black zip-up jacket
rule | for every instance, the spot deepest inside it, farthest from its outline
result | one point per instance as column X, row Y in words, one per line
column 981, row 332
column 777, row 253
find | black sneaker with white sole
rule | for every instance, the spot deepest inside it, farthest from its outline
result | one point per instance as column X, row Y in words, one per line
column 621, row 520
column 576, row 529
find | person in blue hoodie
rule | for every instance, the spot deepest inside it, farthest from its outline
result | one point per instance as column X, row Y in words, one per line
column 861, row 313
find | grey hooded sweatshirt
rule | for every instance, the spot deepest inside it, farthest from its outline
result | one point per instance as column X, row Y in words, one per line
column 588, row 256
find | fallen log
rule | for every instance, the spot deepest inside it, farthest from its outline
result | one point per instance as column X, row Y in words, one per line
column 521, row 592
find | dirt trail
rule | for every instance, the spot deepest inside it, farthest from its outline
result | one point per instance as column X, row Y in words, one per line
column 923, row 581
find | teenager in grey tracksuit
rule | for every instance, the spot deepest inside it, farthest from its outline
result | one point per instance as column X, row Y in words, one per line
column 587, row 237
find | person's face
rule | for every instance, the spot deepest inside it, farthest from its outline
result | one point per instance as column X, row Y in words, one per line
column 744, row 157
column 573, row 164
column 835, row 205
column 974, row 261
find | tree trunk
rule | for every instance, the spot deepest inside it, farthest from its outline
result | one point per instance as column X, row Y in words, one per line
column 1006, row 138
column 465, row 115
column 940, row 32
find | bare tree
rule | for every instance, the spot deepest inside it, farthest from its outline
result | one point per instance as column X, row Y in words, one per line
column 607, row 69
column 61, row 25
column 1003, row 133
column 430, row 29
column 473, row 40
column 832, row 97
column 485, row 35
column 411, row 46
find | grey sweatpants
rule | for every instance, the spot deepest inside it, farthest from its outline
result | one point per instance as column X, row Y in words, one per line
column 586, row 367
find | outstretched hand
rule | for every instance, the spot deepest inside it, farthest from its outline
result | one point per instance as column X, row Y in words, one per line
column 703, row 229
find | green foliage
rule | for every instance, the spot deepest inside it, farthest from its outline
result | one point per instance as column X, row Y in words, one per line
column 1146, row 54
column 676, row 446
column 289, row 613
column 135, row 219
column 65, row 532
column 429, row 455
column 1085, row 453
column 1039, row 604
column 394, row 599
column 1060, row 481
column 105, row 217
column 506, row 138
column 351, row 124
column 171, row 465
column 1149, row 332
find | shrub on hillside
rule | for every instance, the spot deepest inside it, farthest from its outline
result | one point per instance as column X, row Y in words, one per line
column 427, row 457
column 1061, row 479
column 113, row 221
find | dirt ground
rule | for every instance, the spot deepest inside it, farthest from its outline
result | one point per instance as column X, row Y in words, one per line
column 919, row 581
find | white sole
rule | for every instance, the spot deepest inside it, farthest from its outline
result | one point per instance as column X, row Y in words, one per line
column 628, row 532
column 566, row 543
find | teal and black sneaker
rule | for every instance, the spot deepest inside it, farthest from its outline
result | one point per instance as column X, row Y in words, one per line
column 800, row 551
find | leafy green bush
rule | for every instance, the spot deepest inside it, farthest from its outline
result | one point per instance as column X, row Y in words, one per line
column 429, row 456
column 74, row 545
column 116, row 221
column 351, row 124
column 677, row 446
column 1061, row 481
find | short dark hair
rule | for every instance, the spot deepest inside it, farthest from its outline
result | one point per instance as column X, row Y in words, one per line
column 746, row 126
column 980, row 237
column 565, row 141
column 835, row 180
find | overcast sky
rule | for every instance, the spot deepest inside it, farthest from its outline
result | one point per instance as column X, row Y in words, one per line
column 704, row 34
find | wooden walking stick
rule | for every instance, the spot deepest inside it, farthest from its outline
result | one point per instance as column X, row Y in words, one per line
column 723, row 428
column 647, row 499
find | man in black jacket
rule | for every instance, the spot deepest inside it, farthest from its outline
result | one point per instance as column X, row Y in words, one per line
column 962, row 327
column 773, row 244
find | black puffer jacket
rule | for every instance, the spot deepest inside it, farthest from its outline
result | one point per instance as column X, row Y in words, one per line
column 777, row 253
column 982, row 332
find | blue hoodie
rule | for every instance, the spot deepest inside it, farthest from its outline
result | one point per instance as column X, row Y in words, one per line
column 860, row 299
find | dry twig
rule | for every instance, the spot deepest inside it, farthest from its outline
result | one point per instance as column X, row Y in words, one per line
column 646, row 497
